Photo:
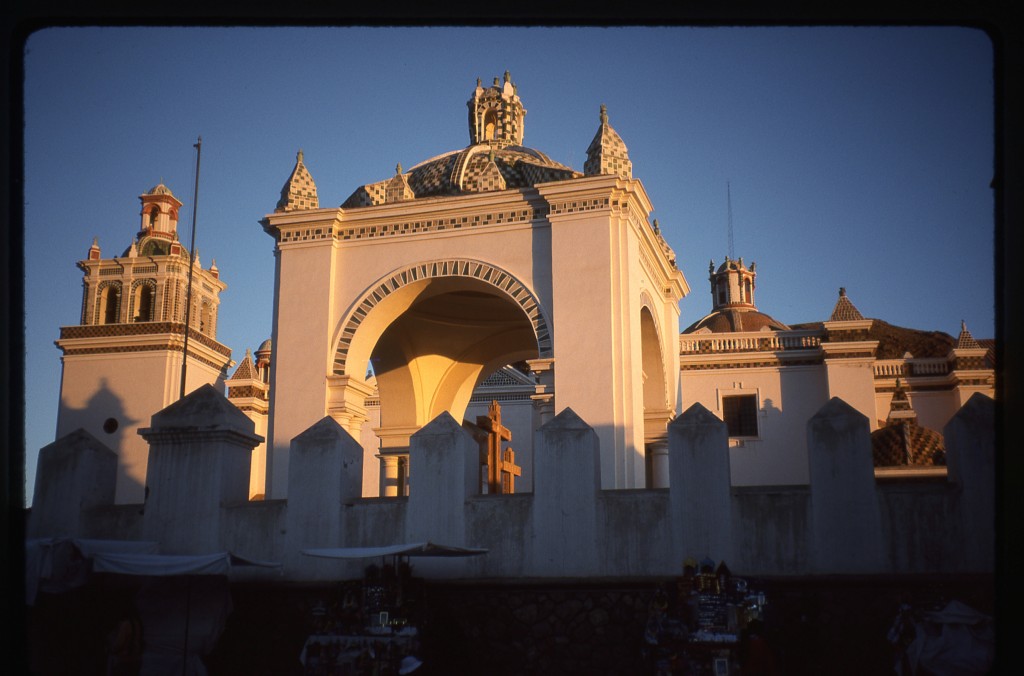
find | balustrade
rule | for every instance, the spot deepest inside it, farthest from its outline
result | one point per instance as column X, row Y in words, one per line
column 758, row 342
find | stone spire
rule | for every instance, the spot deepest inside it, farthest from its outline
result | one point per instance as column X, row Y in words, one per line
column 397, row 189
column 488, row 179
column 966, row 341
column 844, row 311
column 899, row 407
column 607, row 153
column 299, row 191
column 247, row 369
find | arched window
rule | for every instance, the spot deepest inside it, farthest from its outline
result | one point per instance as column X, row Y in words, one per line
column 206, row 318
column 154, row 212
column 748, row 291
column 143, row 297
column 722, row 288
column 109, row 304
column 490, row 125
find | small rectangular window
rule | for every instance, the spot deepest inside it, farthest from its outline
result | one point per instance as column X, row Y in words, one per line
column 740, row 414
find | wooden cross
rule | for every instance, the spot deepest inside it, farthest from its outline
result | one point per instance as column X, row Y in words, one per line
column 496, row 433
column 509, row 471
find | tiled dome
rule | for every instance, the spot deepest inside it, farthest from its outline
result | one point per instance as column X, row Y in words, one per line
column 466, row 171
column 728, row 320
column 160, row 189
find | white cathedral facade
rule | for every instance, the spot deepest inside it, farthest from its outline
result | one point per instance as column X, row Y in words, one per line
column 494, row 273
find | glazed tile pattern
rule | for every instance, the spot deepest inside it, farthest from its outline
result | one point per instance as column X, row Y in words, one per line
column 414, row 227
column 246, row 370
column 469, row 171
column 299, row 191
column 966, row 341
column 844, row 310
column 907, row 443
column 607, row 154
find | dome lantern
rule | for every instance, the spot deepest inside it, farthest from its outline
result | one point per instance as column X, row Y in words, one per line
column 496, row 114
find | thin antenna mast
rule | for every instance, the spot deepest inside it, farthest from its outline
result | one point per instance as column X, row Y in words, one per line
column 191, row 264
column 728, row 201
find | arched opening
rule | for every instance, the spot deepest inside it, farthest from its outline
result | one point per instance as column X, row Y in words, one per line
column 153, row 214
column 206, row 318
column 430, row 343
column 433, row 354
column 748, row 291
column 723, row 288
column 656, row 403
column 490, row 125
column 109, row 304
column 142, row 307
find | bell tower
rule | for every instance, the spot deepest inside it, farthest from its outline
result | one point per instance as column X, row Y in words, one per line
column 122, row 361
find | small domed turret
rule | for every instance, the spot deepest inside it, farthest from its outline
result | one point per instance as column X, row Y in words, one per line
column 732, row 299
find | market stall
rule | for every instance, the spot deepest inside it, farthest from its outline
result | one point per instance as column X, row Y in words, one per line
column 697, row 624
column 372, row 625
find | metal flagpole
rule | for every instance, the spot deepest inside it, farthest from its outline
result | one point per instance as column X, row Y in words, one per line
column 191, row 264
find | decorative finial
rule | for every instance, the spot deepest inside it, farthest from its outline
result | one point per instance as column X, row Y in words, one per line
column 248, row 353
column 398, row 169
column 495, row 82
column 478, row 82
column 604, row 114
column 490, row 155
column 753, row 266
column 657, row 228
column 96, row 241
column 711, row 265
column 963, row 325
column 842, row 291
column 740, row 261
column 507, row 76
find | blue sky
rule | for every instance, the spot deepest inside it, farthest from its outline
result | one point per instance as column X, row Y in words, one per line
column 857, row 157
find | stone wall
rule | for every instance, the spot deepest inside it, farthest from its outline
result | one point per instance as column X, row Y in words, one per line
column 845, row 521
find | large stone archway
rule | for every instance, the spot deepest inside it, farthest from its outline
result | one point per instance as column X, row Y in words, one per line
column 430, row 333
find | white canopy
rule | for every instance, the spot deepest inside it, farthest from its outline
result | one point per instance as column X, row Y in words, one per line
column 172, row 564
column 58, row 564
column 416, row 549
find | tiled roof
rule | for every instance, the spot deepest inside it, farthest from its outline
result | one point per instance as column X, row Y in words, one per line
column 895, row 341
column 607, row 154
column 160, row 189
column 728, row 320
column 844, row 310
column 469, row 170
column 299, row 191
column 246, row 370
column 904, row 442
column 966, row 341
